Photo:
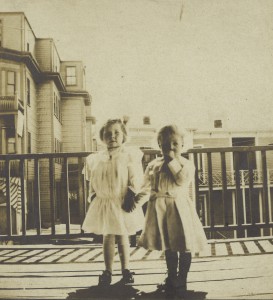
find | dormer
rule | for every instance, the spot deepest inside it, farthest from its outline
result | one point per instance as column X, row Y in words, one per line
column 73, row 75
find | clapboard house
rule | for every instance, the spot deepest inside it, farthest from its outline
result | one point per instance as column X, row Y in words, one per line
column 44, row 107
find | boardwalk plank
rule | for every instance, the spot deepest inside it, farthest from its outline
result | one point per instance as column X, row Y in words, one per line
column 251, row 246
column 268, row 247
column 236, row 248
column 221, row 249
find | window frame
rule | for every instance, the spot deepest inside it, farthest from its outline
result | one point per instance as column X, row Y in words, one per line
column 68, row 76
column 8, row 84
column 28, row 92
column 1, row 32
column 29, row 142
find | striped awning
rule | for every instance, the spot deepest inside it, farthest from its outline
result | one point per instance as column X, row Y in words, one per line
column 15, row 192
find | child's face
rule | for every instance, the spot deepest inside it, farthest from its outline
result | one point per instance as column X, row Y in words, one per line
column 113, row 136
column 171, row 145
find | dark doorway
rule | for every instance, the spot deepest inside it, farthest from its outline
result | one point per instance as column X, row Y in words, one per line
column 243, row 161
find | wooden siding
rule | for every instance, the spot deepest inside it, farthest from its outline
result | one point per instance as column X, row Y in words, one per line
column 43, row 50
column 56, row 63
column 73, row 118
column 12, row 31
column 44, row 116
column 29, row 38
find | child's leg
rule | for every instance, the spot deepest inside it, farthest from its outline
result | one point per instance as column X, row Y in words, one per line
column 184, row 267
column 124, row 251
column 124, row 254
column 172, row 262
column 109, row 251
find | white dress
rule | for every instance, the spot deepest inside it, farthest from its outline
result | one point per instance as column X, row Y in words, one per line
column 171, row 220
column 109, row 179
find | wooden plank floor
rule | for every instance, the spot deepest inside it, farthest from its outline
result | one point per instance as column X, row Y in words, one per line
column 92, row 252
column 230, row 270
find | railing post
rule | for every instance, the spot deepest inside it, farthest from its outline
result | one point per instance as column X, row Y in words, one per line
column 197, row 200
column 23, row 200
column 265, row 187
column 9, row 211
column 51, row 194
column 238, row 197
column 224, row 187
column 211, row 198
column 37, row 208
column 66, row 196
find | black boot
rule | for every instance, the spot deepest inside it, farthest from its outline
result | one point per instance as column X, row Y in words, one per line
column 184, row 267
column 169, row 285
column 127, row 276
column 105, row 278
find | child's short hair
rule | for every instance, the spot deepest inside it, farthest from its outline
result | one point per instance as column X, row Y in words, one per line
column 112, row 122
column 167, row 131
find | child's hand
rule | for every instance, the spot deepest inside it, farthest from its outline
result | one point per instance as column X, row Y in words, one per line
column 169, row 157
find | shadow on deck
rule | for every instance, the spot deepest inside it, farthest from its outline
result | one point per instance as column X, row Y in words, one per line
column 237, row 269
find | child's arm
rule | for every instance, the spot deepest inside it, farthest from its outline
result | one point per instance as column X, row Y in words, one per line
column 183, row 171
column 135, row 170
column 145, row 190
column 88, row 175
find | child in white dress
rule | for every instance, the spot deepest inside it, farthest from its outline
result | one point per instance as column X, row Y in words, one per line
column 171, row 221
column 110, row 173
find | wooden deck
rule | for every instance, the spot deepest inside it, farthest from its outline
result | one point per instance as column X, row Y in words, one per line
column 235, row 269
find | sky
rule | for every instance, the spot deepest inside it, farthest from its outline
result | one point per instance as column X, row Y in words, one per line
column 181, row 61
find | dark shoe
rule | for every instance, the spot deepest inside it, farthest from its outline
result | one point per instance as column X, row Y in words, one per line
column 105, row 278
column 127, row 276
column 181, row 285
column 168, row 286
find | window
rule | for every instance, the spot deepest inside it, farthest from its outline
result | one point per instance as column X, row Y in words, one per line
column 27, row 47
column 28, row 142
column 1, row 37
column 11, row 87
column 57, row 149
column 11, row 145
column 218, row 124
column 28, row 91
column 146, row 121
column 57, row 107
column 71, row 76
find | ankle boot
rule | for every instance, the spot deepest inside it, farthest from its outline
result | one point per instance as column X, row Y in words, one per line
column 184, row 267
column 127, row 276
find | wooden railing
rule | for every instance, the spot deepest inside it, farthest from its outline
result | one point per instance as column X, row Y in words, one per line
column 245, row 207
column 11, row 103
column 248, row 205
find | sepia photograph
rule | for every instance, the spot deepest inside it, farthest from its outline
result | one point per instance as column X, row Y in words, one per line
column 136, row 149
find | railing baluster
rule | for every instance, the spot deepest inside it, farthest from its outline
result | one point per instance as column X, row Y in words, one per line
column 224, row 187
column 197, row 200
column 9, row 211
column 51, row 194
column 211, row 199
column 37, row 208
column 238, row 197
column 66, row 196
column 265, row 187
column 80, row 191
column 23, row 200
column 250, row 190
